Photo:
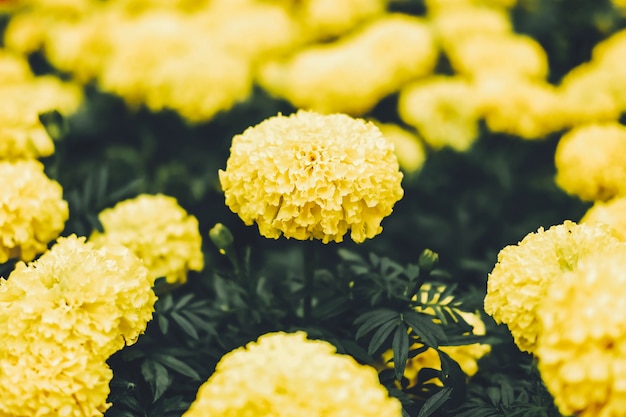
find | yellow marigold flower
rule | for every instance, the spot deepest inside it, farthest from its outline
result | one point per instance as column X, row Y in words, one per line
column 489, row 55
column 21, row 133
column 354, row 73
column 443, row 6
column 591, row 161
column 13, row 68
column 454, row 24
column 467, row 356
column 620, row 4
column 312, row 176
column 611, row 213
column 32, row 210
column 101, row 297
column 581, row 348
column 519, row 281
column 163, row 60
column 407, row 146
column 521, row 107
column 444, row 111
column 159, row 231
column 284, row 375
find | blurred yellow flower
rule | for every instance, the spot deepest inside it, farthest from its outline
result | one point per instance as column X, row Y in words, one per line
column 454, row 24
column 283, row 375
column 354, row 73
column 14, row 68
column 582, row 344
column 591, row 161
column 611, row 213
column 312, row 176
column 443, row 109
column 519, row 281
column 407, row 146
column 32, row 210
column 156, row 229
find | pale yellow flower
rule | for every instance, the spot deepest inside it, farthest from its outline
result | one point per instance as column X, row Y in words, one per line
column 312, row 176
column 32, row 210
column 591, row 161
column 454, row 24
column 611, row 213
column 443, row 109
column 284, row 375
column 581, row 349
column 354, row 73
column 159, row 231
column 519, row 281
column 407, row 146
column 14, row 68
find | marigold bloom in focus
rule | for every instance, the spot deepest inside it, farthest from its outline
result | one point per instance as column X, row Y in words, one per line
column 518, row 283
column 312, row 176
column 61, row 317
column 284, row 375
column 159, row 231
column 32, row 210
column 582, row 344
column 611, row 213
column 591, row 161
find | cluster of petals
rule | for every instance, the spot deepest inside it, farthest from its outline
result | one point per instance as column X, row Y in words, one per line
column 158, row 231
column 519, row 281
column 311, row 176
column 284, row 375
column 32, row 210
column 61, row 317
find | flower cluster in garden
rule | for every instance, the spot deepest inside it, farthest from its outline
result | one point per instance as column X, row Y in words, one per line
column 158, row 231
column 285, row 374
column 312, row 176
column 61, row 317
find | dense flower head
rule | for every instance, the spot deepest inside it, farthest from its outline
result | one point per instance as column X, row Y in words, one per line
column 13, row 68
column 159, row 231
column 611, row 213
column 32, row 210
column 61, row 317
column 353, row 74
column 518, row 283
column 285, row 375
column 444, row 111
column 582, row 348
column 312, row 176
column 591, row 161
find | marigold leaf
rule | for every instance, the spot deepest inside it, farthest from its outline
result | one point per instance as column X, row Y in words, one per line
column 423, row 326
column 176, row 365
column 373, row 319
column 185, row 325
column 400, row 347
column 433, row 403
column 156, row 376
column 381, row 335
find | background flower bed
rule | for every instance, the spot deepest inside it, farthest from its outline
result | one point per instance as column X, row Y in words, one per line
column 465, row 206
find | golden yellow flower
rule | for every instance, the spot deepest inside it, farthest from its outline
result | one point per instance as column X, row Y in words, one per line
column 444, row 111
column 519, row 106
column 581, row 349
column 312, row 176
column 101, row 297
column 284, row 375
column 591, row 161
column 13, row 68
column 21, row 133
column 407, row 146
column 32, row 210
column 159, row 231
column 353, row 74
column 488, row 55
column 611, row 213
column 519, row 281
column 454, row 24
column 467, row 356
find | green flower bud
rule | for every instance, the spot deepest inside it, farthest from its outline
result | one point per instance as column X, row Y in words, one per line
column 428, row 260
column 221, row 237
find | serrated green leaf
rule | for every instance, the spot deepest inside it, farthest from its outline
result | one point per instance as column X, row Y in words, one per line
column 164, row 323
column 185, row 325
column 156, row 376
column 184, row 300
column 381, row 334
column 372, row 319
column 422, row 324
column 435, row 402
column 400, row 347
column 176, row 365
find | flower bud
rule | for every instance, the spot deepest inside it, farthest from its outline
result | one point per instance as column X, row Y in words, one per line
column 221, row 237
